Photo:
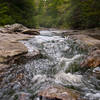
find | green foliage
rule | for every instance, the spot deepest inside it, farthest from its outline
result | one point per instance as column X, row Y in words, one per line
column 84, row 14
column 4, row 14
column 69, row 13
column 14, row 11
column 51, row 13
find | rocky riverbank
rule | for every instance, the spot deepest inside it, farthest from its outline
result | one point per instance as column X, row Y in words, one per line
column 91, row 38
column 11, row 48
column 53, row 60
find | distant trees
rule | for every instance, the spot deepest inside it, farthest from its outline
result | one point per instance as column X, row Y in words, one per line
column 4, row 13
column 51, row 13
column 17, row 11
column 84, row 14
column 70, row 13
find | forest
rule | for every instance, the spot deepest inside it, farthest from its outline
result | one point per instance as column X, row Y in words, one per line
column 49, row 49
column 51, row 13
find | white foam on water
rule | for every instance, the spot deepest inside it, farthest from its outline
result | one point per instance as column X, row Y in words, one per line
column 93, row 96
column 68, row 79
column 41, row 39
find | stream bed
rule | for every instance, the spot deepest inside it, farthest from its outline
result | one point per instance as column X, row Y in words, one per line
column 57, row 63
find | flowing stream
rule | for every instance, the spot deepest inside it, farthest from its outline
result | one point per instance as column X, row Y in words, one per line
column 57, row 63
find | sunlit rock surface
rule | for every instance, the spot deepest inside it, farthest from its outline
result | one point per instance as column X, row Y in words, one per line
column 90, row 41
column 8, row 50
column 58, row 93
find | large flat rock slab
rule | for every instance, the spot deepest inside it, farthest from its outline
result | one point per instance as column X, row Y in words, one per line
column 14, row 37
column 94, row 33
column 10, row 45
column 9, row 49
column 87, row 40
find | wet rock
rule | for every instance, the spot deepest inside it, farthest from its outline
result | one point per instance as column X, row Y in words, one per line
column 30, row 32
column 93, row 60
column 15, row 28
column 14, row 37
column 58, row 93
column 94, row 32
column 89, row 41
column 18, row 28
column 12, row 28
column 10, row 50
column 10, row 47
column 96, row 72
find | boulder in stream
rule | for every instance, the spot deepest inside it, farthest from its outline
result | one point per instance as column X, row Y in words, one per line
column 58, row 93
column 93, row 60
column 96, row 72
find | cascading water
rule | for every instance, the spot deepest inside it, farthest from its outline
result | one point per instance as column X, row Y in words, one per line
column 58, row 62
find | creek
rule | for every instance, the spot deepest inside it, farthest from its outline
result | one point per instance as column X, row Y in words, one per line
column 57, row 63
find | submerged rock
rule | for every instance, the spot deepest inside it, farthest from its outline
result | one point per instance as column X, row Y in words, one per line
column 93, row 60
column 96, row 72
column 58, row 93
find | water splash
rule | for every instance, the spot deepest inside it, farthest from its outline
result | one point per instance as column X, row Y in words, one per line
column 58, row 62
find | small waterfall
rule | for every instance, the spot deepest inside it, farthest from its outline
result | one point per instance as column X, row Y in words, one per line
column 58, row 62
